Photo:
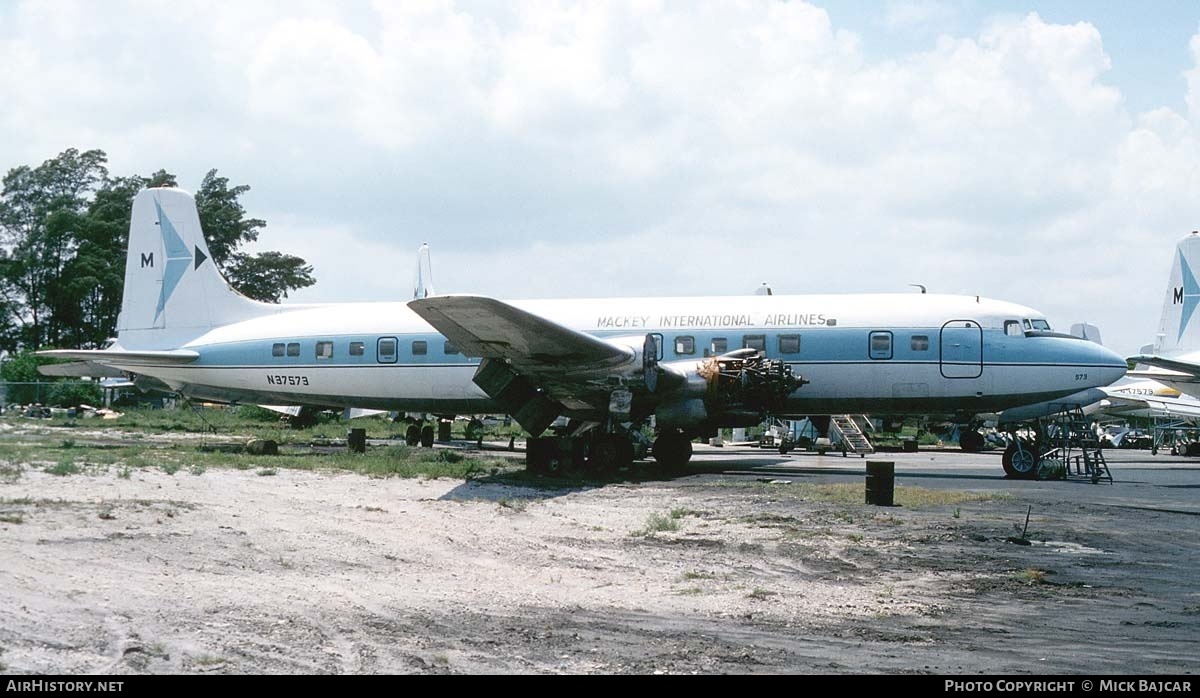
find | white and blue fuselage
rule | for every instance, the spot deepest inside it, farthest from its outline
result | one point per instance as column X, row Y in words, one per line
column 910, row 353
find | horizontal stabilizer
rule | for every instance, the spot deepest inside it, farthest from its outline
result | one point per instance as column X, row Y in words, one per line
column 80, row 369
column 119, row 357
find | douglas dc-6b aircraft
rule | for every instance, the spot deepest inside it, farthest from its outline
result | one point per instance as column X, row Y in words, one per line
column 608, row 365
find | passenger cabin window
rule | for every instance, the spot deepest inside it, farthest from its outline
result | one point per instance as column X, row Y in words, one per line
column 385, row 350
column 757, row 342
column 449, row 349
column 685, row 345
column 324, row 350
column 293, row 349
column 789, row 344
column 719, row 345
column 358, row 348
column 420, row 347
column 881, row 345
column 920, row 342
column 1012, row 328
column 277, row 349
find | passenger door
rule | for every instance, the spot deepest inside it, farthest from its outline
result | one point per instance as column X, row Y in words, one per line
column 961, row 349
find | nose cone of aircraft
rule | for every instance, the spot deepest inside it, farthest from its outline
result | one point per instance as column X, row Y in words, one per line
column 1097, row 366
column 1113, row 366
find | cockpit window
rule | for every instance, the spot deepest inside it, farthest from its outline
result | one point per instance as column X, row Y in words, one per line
column 1012, row 328
column 1041, row 326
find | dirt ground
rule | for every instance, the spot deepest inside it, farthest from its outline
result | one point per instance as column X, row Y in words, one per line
column 233, row 571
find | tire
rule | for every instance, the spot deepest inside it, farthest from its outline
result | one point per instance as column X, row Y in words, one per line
column 970, row 441
column 474, row 430
column 1020, row 465
column 412, row 435
column 427, row 437
column 537, row 456
column 604, row 456
column 672, row 451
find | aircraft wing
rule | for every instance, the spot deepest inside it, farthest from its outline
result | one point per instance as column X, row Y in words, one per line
column 120, row 357
column 535, row 368
column 491, row 329
column 1166, row 406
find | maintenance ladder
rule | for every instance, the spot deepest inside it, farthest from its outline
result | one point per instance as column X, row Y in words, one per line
column 852, row 434
column 1074, row 432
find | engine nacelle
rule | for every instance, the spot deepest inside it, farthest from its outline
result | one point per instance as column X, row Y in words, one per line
column 730, row 390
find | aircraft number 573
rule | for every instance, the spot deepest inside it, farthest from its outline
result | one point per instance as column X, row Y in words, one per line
column 1078, row 377
column 286, row 380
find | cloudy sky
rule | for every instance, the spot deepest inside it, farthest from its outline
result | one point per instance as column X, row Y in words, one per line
column 1045, row 153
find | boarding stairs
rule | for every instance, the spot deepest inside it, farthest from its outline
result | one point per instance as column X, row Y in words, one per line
column 850, row 432
column 1074, row 443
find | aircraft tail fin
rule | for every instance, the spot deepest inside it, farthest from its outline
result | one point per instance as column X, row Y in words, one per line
column 173, row 289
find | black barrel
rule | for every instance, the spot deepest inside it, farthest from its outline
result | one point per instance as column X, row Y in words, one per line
column 444, row 430
column 356, row 439
column 881, row 482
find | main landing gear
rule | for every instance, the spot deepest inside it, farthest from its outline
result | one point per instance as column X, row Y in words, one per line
column 599, row 454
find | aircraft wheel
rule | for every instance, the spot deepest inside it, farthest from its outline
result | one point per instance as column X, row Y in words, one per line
column 537, row 455
column 606, row 455
column 474, row 430
column 412, row 436
column 427, row 437
column 1020, row 465
column 672, row 450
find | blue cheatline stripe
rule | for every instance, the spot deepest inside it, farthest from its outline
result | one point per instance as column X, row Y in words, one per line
column 818, row 347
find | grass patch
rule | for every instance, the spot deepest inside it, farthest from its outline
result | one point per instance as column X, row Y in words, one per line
column 517, row 505
column 761, row 594
column 657, row 523
column 680, row 512
column 12, row 518
column 690, row 591
column 391, row 461
column 692, row 574
column 267, row 472
column 63, row 468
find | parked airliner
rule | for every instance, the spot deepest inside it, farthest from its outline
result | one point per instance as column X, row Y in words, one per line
column 611, row 366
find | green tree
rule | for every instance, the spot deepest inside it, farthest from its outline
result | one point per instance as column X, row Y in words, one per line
column 266, row 276
column 41, row 212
